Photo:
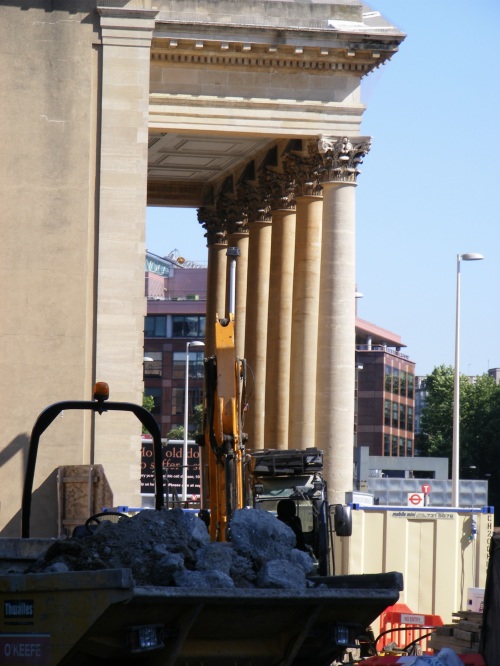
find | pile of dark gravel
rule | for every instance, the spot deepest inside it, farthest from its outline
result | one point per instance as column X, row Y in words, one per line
column 173, row 548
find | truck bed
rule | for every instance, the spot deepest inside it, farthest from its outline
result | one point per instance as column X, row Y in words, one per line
column 81, row 618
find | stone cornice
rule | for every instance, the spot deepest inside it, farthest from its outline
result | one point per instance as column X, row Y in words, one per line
column 356, row 59
column 242, row 60
column 331, row 16
column 328, row 34
column 142, row 9
column 127, row 23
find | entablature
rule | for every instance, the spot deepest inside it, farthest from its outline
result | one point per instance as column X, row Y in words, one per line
column 342, row 35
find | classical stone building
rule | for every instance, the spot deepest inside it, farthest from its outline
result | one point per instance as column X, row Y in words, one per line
column 248, row 111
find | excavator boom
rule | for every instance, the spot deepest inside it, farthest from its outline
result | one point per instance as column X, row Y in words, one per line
column 223, row 449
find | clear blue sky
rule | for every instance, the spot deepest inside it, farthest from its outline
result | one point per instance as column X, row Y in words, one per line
column 429, row 188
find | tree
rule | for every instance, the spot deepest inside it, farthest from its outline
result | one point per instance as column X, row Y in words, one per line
column 176, row 433
column 197, row 419
column 478, row 425
column 148, row 402
column 436, row 421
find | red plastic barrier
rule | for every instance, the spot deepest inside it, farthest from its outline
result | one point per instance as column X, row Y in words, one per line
column 408, row 627
column 468, row 660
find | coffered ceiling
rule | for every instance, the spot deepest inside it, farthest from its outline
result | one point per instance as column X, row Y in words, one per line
column 183, row 169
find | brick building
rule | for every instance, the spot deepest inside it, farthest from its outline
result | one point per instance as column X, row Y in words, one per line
column 176, row 295
column 385, row 392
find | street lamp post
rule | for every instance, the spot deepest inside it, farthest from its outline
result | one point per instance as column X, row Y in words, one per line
column 455, row 465
column 191, row 343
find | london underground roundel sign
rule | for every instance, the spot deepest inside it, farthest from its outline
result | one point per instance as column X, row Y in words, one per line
column 415, row 499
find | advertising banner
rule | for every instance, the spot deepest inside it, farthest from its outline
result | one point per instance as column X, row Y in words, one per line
column 172, row 468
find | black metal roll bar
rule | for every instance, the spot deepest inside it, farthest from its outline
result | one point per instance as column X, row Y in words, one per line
column 52, row 411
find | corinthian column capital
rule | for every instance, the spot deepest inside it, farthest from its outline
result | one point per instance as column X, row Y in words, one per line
column 304, row 171
column 232, row 214
column 254, row 200
column 209, row 219
column 280, row 188
column 342, row 156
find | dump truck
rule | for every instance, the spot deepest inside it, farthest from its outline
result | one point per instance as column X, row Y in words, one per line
column 104, row 617
column 101, row 616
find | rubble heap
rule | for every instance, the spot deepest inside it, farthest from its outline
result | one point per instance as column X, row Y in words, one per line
column 173, row 548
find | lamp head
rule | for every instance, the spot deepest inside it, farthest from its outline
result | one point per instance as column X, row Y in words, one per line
column 195, row 343
column 471, row 256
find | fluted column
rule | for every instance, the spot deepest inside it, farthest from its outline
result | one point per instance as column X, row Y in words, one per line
column 259, row 256
column 304, row 340
column 216, row 274
column 279, row 321
column 336, row 336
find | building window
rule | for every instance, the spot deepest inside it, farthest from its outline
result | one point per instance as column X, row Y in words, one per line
column 155, row 393
column 387, row 413
column 195, row 397
column 401, row 447
column 409, row 447
column 394, row 446
column 188, row 326
column 409, row 421
column 402, row 416
column 395, row 380
column 388, row 380
column 195, row 365
column 387, row 445
column 410, row 385
column 402, row 383
column 395, row 410
column 177, row 401
column 153, row 368
column 155, row 326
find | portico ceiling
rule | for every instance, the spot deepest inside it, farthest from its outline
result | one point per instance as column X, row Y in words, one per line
column 183, row 168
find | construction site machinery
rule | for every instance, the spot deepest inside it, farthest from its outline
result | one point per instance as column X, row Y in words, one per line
column 222, row 450
column 102, row 617
column 296, row 475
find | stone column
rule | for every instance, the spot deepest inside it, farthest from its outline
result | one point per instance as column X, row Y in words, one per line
column 216, row 274
column 306, row 278
column 121, row 305
column 259, row 257
column 279, row 321
column 336, row 336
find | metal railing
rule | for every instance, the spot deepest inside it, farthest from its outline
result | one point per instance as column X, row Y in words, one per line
column 382, row 348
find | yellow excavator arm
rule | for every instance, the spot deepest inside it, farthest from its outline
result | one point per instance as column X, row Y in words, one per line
column 223, row 450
